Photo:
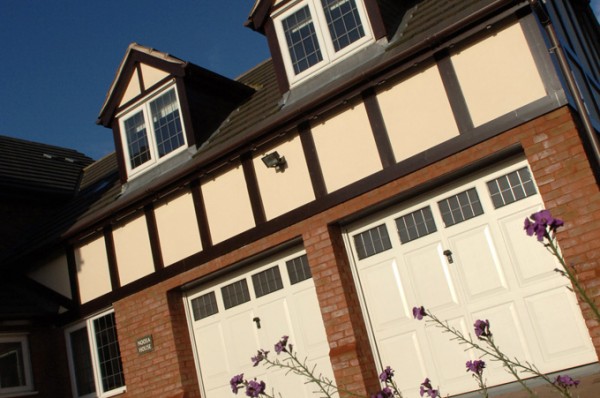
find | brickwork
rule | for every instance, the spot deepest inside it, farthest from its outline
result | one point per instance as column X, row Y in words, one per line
column 553, row 148
column 49, row 363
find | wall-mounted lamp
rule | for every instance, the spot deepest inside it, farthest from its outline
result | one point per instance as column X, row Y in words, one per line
column 274, row 160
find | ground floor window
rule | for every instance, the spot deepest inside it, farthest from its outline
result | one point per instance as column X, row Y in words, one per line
column 95, row 357
column 15, row 367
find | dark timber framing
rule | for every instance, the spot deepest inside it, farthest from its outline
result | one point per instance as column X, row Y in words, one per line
column 111, row 256
column 201, row 218
column 258, row 210
column 380, row 133
column 312, row 160
column 455, row 95
column 154, row 238
column 72, row 267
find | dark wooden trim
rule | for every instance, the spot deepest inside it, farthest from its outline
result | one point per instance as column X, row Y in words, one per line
column 138, row 70
column 276, row 56
column 72, row 269
column 260, row 15
column 375, row 19
column 454, row 92
column 120, row 151
column 380, row 133
column 154, row 237
column 184, row 108
column 111, row 255
column 143, row 94
column 312, row 161
column 201, row 217
column 258, row 210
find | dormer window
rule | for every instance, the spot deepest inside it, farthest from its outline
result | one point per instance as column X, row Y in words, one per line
column 152, row 131
column 315, row 33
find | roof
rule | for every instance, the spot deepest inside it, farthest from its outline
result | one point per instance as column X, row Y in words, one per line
column 31, row 166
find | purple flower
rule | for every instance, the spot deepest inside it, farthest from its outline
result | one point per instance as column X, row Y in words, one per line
column 280, row 346
column 387, row 374
column 236, row 382
column 565, row 381
column 255, row 388
column 419, row 312
column 476, row 366
column 538, row 224
column 260, row 355
column 385, row 393
column 426, row 388
column 482, row 328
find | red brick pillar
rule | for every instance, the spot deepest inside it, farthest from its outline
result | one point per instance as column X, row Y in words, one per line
column 565, row 179
column 350, row 351
column 168, row 370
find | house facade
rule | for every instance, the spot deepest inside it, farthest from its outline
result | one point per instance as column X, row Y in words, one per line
column 385, row 157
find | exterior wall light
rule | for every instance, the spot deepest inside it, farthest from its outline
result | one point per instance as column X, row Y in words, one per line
column 274, row 160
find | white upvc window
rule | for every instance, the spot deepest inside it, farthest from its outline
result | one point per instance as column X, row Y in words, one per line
column 15, row 365
column 315, row 33
column 152, row 131
column 95, row 358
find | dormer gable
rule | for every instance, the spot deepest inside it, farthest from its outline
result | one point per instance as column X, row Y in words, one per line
column 158, row 106
column 308, row 36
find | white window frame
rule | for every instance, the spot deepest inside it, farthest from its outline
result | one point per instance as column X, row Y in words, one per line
column 89, row 325
column 28, row 387
column 330, row 56
column 144, row 106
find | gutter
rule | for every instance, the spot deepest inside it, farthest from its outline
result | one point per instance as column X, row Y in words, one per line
column 286, row 117
column 563, row 63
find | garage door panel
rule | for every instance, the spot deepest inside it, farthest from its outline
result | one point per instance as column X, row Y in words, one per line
column 525, row 254
column 219, row 368
column 305, row 301
column 382, row 284
column 452, row 375
column 404, row 353
column 242, row 339
column 274, row 322
column 508, row 334
column 562, row 334
column 429, row 274
column 476, row 258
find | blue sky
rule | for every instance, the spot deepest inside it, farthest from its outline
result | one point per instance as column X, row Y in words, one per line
column 59, row 57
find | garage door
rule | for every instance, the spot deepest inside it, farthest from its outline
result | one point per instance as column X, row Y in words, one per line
column 233, row 317
column 462, row 253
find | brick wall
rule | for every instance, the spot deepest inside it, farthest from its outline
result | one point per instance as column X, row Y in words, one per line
column 567, row 187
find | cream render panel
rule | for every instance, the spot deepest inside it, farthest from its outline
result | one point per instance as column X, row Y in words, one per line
column 284, row 191
column 132, row 249
column 54, row 274
column 92, row 270
column 151, row 75
column 177, row 228
column 417, row 114
column 346, row 147
column 133, row 88
column 227, row 204
column 498, row 75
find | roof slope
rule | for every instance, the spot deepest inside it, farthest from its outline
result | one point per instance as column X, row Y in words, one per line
column 31, row 166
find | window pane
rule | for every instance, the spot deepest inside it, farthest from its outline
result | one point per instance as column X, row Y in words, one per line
column 460, row 207
column 137, row 140
column 166, row 123
column 511, row 187
column 267, row 281
column 371, row 242
column 343, row 20
column 204, row 306
column 109, row 355
column 12, row 371
column 415, row 225
column 82, row 362
column 298, row 269
column 302, row 41
column 235, row 294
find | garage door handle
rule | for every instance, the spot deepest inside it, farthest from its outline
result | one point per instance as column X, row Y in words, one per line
column 448, row 255
column 257, row 321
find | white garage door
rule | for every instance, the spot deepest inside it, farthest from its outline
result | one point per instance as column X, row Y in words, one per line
column 233, row 317
column 462, row 253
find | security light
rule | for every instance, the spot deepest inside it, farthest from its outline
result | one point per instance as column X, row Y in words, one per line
column 274, row 160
